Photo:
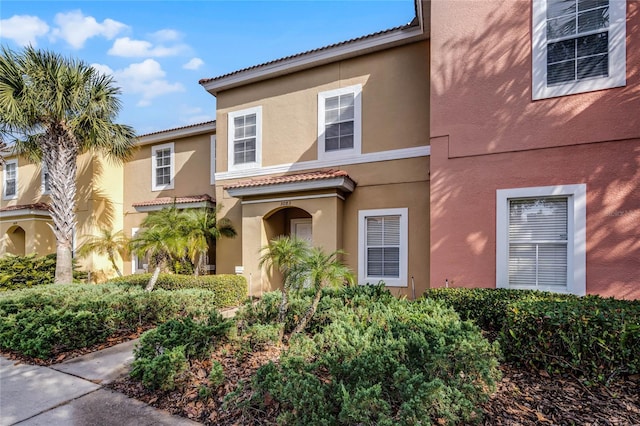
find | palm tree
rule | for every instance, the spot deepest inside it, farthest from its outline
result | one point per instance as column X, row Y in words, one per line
column 286, row 254
column 54, row 109
column 321, row 270
column 202, row 228
column 160, row 244
column 107, row 243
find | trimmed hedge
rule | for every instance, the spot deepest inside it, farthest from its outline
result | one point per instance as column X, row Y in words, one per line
column 591, row 337
column 47, row 320
column 17, row 272
column 231, row 289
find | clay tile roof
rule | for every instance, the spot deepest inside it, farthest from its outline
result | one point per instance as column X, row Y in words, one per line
column 301, row 177
column 35, row 206
column 178, row 128
column 342, row 43
column 177, row 200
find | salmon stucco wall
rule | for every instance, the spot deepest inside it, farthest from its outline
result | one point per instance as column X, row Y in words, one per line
column 488, row 134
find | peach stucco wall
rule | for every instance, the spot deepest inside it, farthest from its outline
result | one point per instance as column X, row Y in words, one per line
column 487, row 134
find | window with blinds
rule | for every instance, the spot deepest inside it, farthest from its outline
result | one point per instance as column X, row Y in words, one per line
column 538, row 242
column 383, row 246
column 244, row 139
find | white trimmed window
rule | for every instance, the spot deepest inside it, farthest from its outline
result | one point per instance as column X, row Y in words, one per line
column 139, row 264
column 45, row 180
column 541, row 241
column 340, row 122
column 162, row 167
column 245, row 139
column 383, row 246
column 578, row 46
column 10, row 180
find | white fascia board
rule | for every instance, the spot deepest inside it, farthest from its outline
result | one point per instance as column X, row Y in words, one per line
column 24, row 212
column 342, row 183
column 179, row 206
column 176, row 134
column 398, row 37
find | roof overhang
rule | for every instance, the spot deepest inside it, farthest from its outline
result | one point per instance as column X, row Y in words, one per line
column 12, row 214
column 415, row 31
column 178, row 133
column 342, row 183
column 185, row 202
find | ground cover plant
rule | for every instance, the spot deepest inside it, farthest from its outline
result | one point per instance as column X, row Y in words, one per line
column 17, row 272
column 49, row 320
column 365, row 358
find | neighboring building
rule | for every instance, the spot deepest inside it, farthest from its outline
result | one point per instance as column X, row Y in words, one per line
column 485, row 144
column 535, row 145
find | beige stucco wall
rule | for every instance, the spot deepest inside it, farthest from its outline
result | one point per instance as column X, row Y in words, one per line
column 395, row 99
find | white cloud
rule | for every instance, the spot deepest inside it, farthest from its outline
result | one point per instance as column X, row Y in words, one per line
column 129, row 48
column 76, row 28
column 193, row 64
column 166, row 35
column 23, row 29
column 146, row 79
column 103, row 69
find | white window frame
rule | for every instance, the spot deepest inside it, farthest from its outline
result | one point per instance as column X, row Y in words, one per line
column 230, row 138
column 363, row 278
column 577, row 240
column 134, row 257
column 43, row 187
column 172, row 162
column 4, row 180
column 212, row 178
column 617, row 54
column 357, row 123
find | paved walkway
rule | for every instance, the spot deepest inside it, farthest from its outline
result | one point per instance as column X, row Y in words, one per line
column 71, row 393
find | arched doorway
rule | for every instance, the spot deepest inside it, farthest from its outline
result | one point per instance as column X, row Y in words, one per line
column 291, row 221
column 16, row 241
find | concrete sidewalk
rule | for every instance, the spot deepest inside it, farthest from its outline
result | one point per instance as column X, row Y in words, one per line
column 70, row 393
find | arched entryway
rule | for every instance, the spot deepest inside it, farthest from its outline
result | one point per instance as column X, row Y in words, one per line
column 16, row 241
column 291, row 221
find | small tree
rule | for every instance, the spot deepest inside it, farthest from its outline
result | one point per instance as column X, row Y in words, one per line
column 321, row 270
column 107, row 243
column 286, row 254
column 160, row 244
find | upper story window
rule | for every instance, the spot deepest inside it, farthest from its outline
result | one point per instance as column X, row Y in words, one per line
column 10, row 180
column 45, row 184
column 578, row 46
column 245, row 138
column 340, row 122
column 162, row 167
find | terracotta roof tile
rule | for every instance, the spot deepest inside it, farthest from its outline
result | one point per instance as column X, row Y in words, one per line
column 319, row 49
column 35, row 206
column 177, row 200
column 300, row 177
column 178, row 128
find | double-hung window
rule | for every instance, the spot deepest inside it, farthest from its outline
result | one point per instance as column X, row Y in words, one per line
column 541, row 238
column 10, row 180
column 340, row 122
column 383, row 241
column 162, row 167
column 245, row 138
column 578, row 46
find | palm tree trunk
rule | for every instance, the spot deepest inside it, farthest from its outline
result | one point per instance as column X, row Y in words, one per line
column 154, row 278
column 113, row 263
column 199, row 264
column 310, row 313
column 64, row 273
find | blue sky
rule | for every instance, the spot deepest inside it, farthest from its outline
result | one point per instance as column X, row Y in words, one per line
column 158, row 50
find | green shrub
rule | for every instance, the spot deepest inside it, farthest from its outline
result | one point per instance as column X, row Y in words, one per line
column 17, row 272
column 592, row 337
column 231, row 289
column 169, row 347
column 380, row 360
column 216, row 376
column 44, row 321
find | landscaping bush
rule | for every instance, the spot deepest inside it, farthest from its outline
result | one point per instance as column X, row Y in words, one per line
column 231, row 289
column 17, row 272
column 44, row 321
column 384, row 361
column 163, row 353
column 589, row 337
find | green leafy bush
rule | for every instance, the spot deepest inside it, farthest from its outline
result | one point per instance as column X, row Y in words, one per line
column 44, row 321
column 379, row 360
column 231, row 289
column 164, row 351
column 592, row 337
column 216, row 375
column 17, row 272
